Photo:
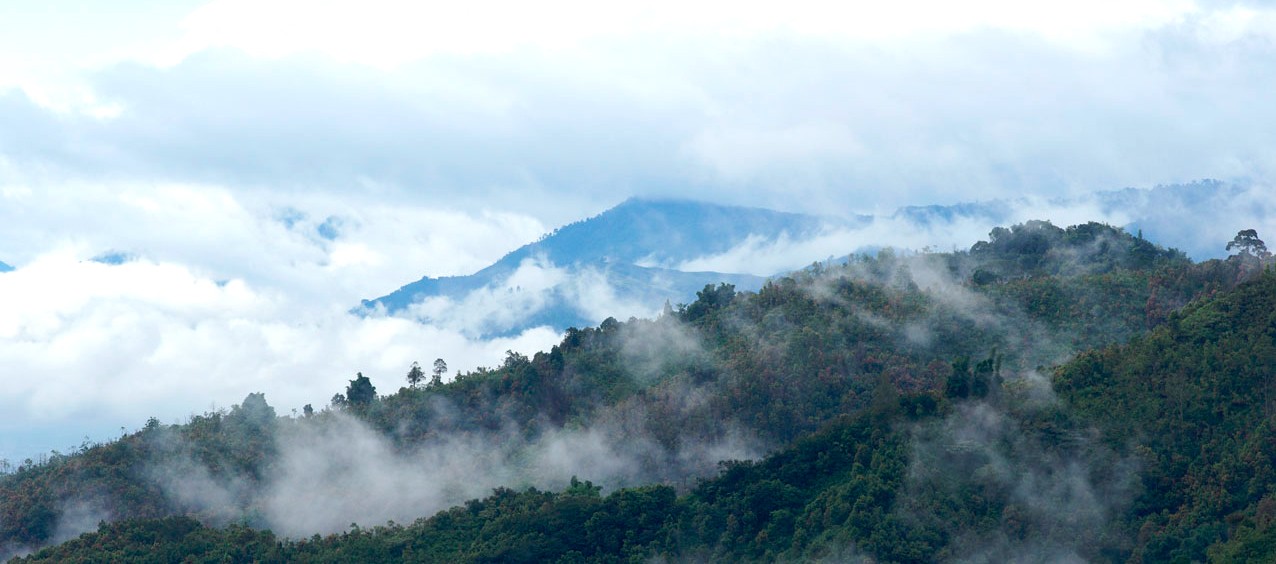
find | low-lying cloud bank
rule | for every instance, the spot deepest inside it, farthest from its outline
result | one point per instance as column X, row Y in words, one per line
column 537, row 288
column 1199, row 219
column 339, row 471
column 211, row 295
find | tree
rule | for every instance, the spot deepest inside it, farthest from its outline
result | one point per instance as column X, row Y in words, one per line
column 254, row 411
column 415, row 374
column 360, row 391
column 958, row 384
column 1249, row 245
column 514, row 359
column 440, row 368
column 710, row 299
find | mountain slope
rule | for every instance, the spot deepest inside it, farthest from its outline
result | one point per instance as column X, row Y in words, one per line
column 630, row 253
column 5, row 268
column 631, row 259
column 732, row 375
column 1157, row 450
column 1194, row 402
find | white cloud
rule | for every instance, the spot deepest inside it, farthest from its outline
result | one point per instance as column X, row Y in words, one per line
column 212, row 142
column 738, row 153
column 536, row 287
column 224, row 298
column 225, row 234
column 97, row 346
column 390, row 32
column 560, row 109
column 763, row 256
column 498, row 306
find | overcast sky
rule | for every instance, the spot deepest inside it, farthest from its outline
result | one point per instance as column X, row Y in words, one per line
column 211, row 141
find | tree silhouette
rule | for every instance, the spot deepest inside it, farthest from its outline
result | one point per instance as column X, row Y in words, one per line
column 360, row 391
column 415, row 375
column 440, row 368
column 1249, row 245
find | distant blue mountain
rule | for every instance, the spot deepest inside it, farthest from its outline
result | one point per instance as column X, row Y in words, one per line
column 996, row 211
column 633, row 248
column 632, row 253
column 663, row 233
column 5, row 268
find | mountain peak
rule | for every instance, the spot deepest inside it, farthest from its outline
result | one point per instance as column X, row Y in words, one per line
column 637, row 247
column 666, row 231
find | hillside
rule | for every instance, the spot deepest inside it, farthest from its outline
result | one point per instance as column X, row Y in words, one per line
column 1114, row 469
column 860, row 380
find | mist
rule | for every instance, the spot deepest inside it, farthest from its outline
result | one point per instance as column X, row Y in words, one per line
column 195, row 199
column 332, row 469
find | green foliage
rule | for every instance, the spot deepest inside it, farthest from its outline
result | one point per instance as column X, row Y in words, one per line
column 169, row 539
column 436, row 374
column 1193, row 399
column 415, row 375
column 857, row 377
column 1247, row 244
column 361, row 392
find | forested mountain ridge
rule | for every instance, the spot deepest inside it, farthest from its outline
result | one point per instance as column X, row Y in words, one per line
column 1173, row 215
column 859, row 378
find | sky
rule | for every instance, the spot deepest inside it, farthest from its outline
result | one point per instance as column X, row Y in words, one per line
column 258, row 167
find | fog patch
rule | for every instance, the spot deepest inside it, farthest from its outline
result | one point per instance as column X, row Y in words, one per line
column 333, row 469
column 1032, row 389
column 614, row 459
column 1198, row 218
column 190, row 484
column 10, row 552
column 593, row 292
column 918, row 334
column 537, row 290
column 340, row 471
column 653, row 349
column 1059, row 486
column 495, row 307
column 930, row 275
column 78, row 517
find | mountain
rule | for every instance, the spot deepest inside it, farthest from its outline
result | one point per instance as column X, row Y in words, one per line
column 5, row 268
column 628, row 255
column 895, row 408
column 631, row 259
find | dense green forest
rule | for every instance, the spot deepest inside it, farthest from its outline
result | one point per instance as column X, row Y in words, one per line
column 1048, row 394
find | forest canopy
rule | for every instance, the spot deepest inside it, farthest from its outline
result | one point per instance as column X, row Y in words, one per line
column 1050, row 393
